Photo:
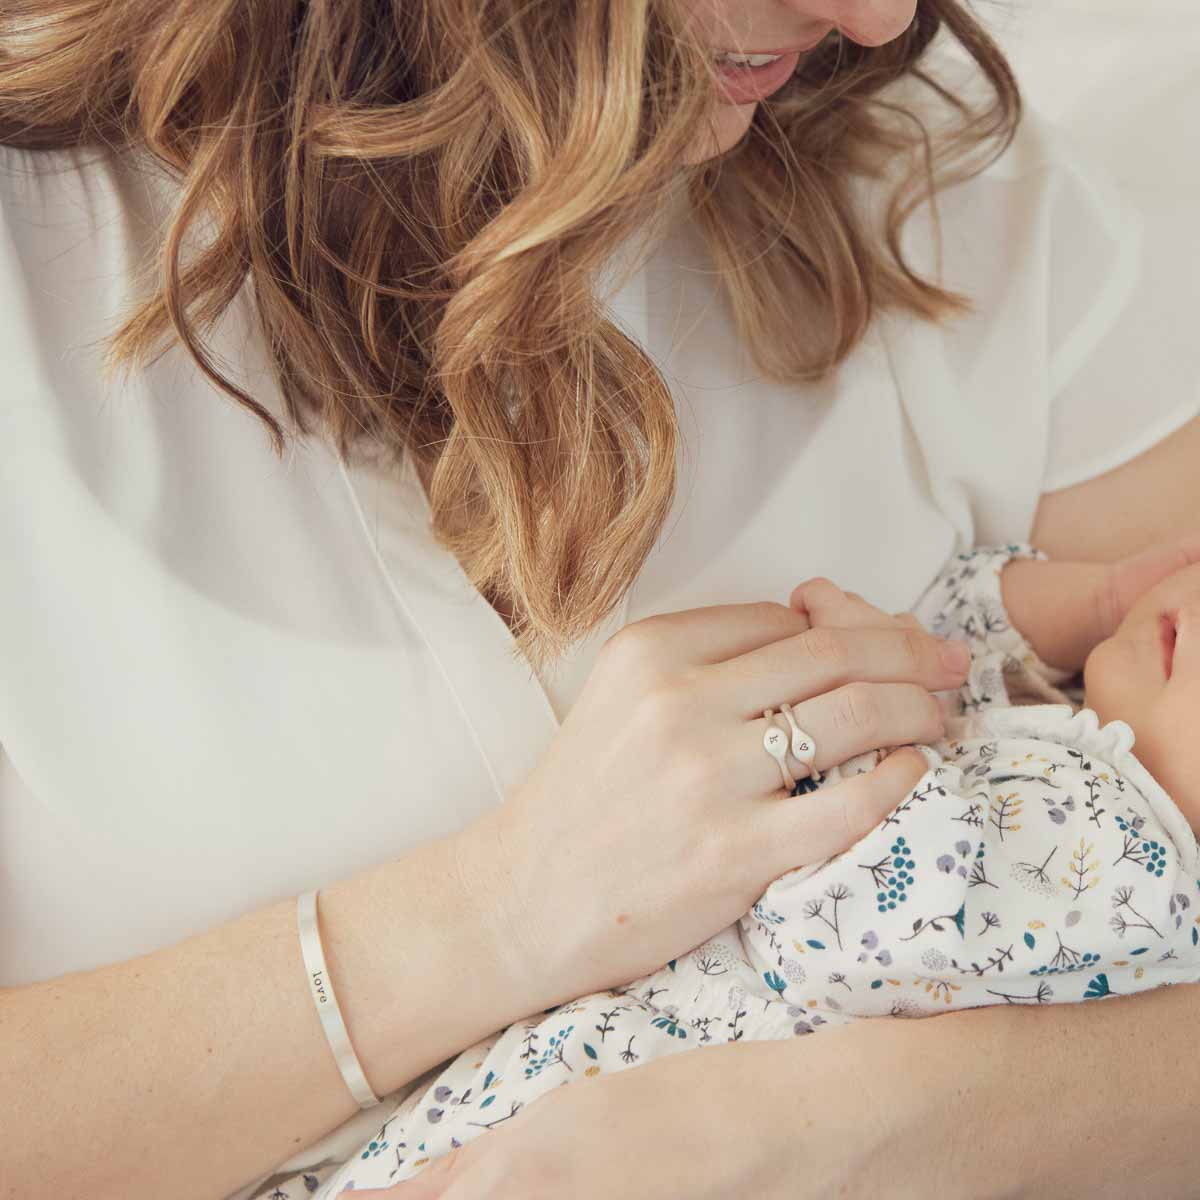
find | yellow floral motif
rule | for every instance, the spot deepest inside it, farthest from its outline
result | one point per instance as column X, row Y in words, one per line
column 939, row 989
column 1003, row 811
column 1084, row 868
column 592, row 1071
column 1139, row 972
column 799, row 947
column 1037, row 924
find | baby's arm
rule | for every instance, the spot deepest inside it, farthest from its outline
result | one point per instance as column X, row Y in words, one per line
column 1064, row 609
column 968, row 602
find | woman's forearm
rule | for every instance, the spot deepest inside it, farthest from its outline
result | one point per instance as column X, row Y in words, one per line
column 188, row 1071
column 1095, row 1099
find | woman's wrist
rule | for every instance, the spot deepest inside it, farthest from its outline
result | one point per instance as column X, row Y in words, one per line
column 416, row 951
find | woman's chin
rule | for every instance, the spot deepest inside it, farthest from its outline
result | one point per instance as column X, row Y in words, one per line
column 727, row 129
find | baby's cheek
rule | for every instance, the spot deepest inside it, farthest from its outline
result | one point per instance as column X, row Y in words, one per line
column 1109, row 686
column 1167, row 746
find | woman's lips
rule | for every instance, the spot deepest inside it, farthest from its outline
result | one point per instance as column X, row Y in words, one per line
column 746, row 85
column 1168, row 632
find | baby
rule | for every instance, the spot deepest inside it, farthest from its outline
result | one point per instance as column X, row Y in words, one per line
column 1037, row 861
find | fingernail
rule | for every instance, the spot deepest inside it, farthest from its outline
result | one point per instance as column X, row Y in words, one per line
column 955, row 657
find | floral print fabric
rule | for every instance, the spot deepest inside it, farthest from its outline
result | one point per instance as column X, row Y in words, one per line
column 1035, row 862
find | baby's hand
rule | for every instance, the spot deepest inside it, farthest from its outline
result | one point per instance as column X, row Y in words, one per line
column 1066, row 609
column 1130, row 578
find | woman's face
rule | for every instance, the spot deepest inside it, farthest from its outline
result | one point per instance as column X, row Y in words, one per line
column 787, row 28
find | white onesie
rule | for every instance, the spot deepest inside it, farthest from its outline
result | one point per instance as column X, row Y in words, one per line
column 1036, row 861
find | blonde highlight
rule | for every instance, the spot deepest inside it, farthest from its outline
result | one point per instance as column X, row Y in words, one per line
column 421, row 197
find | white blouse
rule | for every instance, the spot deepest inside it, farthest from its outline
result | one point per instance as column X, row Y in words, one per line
column 226, row 679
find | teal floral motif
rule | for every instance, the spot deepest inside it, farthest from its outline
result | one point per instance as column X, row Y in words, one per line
column 1098, row 988
column 775, row 982
column 767, row 916
column 1066, row 961
column 892, row 874
column 1144, row 851
column 552, row 1055
column 921, row 925
column 670, row 1026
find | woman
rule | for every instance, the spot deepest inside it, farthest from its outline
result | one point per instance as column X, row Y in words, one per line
column 232, row 677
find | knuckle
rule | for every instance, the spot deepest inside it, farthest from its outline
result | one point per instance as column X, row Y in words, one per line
column 632, row 653
column 827, row 648
column 822, row 583
column 935, row 719
column 771, row 609
column 630, row 641
column 857, row 709
column 661, row 708
column 915, row 650
column 818, row 591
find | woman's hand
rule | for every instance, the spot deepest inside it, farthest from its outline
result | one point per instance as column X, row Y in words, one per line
column 656, row 818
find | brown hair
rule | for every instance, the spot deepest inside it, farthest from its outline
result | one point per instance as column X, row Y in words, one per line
column 422, row 194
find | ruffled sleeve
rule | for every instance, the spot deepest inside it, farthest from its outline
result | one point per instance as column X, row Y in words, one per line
column 966, row 602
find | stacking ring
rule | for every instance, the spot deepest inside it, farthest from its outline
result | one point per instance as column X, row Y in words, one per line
column 804, row 749
column 775, row 743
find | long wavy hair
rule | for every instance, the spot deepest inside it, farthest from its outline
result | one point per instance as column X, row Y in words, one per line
column 422, row 195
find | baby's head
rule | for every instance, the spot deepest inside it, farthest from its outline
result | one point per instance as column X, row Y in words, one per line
column 1148, row 675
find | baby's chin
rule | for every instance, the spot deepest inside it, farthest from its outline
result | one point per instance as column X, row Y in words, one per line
column 1101, row 681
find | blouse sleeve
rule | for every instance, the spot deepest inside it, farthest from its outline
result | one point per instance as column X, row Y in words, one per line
column 1121, row 375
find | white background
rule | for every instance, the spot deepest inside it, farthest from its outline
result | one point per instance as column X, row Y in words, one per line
column 1123, row 77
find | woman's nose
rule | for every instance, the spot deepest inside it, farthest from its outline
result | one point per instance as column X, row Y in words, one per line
column 868, row 22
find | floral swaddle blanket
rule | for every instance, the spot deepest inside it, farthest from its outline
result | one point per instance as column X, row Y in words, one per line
column 1036, row 861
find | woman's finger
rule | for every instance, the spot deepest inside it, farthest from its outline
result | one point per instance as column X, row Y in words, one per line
column 700, row 636
column 824, row 603
column 820, row 660
column 812, row 828
column 844, row 723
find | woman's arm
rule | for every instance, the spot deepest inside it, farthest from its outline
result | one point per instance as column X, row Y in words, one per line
column 1152, row 498
column 1096, row 1100
column 119, row 1082
column 652, row 819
